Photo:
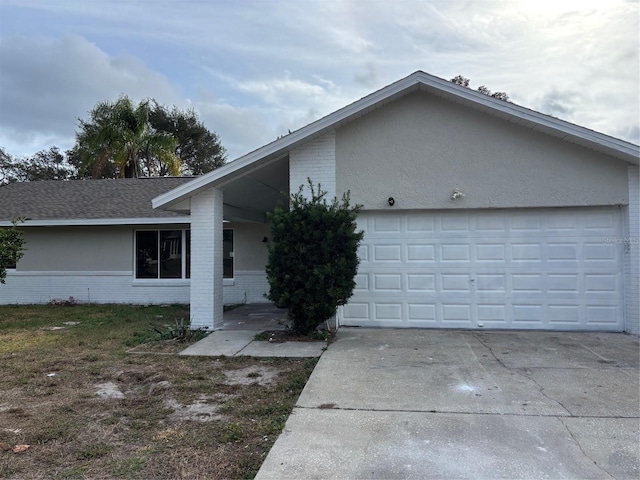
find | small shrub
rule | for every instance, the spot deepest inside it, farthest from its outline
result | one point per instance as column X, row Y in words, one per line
column 181, row 332
column 313, row 257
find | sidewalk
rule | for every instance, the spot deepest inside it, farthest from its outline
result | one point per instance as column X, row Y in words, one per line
column 237, row 336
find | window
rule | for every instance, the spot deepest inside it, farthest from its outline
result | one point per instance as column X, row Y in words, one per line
column 227, row 253
column 167, row 254
column 163, row 254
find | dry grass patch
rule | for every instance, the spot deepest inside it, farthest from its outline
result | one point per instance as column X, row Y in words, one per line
column 89, row 409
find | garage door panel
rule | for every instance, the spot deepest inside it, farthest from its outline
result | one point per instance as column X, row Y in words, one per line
column 454, row 253
column 490, row 252
column 526, row 252
column 387, row 224
column 549, row 269
column 567, row 316
column 454, row 282
column 562, row 222
column 496, row 223
column 357, row 312
column 491, row 282
column 421, row 282
column 425, row 252
column 563, row 283
column 387, row 282
column 599, row 252
column 602, row 315
column 456, row 315
column 420, row 224
column 454, row 223
column 422, row 312
column 388, row 311
column 387, row 253
column 562, row 252
column 600, row 283
column 527, row 315
column 494, row 312
column 362, row 282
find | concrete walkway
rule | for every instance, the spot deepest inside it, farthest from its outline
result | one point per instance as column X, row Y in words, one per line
column 237, row 336
column 458, row 404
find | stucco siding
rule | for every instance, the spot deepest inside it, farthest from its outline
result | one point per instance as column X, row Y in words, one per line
column 250, row 252
column 78, row 249
column 420, row 148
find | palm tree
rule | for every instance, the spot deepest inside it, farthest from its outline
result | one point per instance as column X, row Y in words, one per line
column 118, row 139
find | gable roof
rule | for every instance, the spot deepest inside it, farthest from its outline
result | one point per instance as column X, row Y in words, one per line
column 418, row 81
column 88, row 202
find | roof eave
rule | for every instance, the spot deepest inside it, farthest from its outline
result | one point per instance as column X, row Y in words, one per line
column 88, row 222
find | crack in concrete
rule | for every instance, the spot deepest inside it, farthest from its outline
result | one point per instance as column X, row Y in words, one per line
column 522, row 374
column 575, row 440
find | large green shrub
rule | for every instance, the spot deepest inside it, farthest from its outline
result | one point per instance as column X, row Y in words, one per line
column 313, row 257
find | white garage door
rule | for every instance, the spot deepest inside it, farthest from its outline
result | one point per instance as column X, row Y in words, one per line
column 555, row 269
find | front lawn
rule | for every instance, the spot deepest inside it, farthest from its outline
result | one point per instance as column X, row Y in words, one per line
column 96, row 393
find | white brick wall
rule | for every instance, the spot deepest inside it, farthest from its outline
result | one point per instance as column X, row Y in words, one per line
column 315, row 160
column 206, row 259
column 248, row 286
column 120, row 287
column 632, row 254
column 94, row 287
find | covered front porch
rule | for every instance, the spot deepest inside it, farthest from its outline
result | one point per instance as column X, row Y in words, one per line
column 221, row 274
column 243, row 192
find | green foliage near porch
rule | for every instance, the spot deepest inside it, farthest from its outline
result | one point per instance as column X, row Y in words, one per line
column 313, row 257
column 11, row 248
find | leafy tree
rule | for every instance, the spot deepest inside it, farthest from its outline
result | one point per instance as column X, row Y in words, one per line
column 11, row 248
column 198, row 149
column 44, row 165
column 460, row 80
column 119, row 138
column 6, row 167
column 463, row 81
column 313, row 257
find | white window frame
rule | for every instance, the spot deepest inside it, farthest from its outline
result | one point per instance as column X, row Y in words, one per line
column 183, row 267
column 233, row 255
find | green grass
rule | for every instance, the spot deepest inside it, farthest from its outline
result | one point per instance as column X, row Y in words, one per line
column 51, row 369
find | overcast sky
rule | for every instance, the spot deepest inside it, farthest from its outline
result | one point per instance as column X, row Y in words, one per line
column 255, row 69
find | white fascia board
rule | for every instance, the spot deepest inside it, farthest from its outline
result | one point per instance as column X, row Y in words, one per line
column 616, row 147
column 99, row 222
column 281, row 145
column 629, row 151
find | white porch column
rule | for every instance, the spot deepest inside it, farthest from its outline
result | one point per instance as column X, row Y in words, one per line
column 206, row 259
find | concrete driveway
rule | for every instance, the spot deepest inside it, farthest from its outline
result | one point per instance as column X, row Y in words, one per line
column 385, row 403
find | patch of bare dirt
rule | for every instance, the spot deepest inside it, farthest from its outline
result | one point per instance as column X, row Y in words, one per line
column 252, row 374
column 281, row 336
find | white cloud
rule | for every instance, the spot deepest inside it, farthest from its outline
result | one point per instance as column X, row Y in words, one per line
column 254, row 69
column 47, row 84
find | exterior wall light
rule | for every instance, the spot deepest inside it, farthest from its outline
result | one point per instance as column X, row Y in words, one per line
column 391, row 201
column 456, row 194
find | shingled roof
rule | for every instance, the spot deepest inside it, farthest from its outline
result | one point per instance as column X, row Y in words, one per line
column 103, row 201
